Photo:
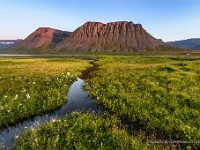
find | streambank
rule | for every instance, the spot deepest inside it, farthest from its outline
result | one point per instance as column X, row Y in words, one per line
column 136, row 128
column 77, row 100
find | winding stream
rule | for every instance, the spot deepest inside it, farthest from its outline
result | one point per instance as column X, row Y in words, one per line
column 77, row 100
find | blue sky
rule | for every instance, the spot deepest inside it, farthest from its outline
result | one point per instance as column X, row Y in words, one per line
column 164, row 19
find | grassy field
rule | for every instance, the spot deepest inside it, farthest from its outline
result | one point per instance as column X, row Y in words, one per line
column 82, row 132
column 161, row 93
column 33, row 86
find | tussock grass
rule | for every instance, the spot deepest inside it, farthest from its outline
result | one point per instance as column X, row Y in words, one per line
column 34, row 86
column 160, row 93
column 82, row 132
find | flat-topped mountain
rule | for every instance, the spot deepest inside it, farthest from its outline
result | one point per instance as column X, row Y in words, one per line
column 121, row 36
column 113, row 36
column 42, row 37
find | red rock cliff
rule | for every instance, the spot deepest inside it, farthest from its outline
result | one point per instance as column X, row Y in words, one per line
column 114, row 36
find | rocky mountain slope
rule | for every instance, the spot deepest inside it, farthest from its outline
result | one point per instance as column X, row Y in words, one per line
column 42, row 37
column 193, row 43
column 114, row 36
column 121, row 36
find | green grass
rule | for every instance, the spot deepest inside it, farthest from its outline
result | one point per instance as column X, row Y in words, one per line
column 160, row 93
column 82, row 132
column 34, row 86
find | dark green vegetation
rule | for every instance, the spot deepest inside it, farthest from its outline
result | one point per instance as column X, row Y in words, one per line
column 51, row 50
column 41, row 50
column 33, row 86
column 161, row 93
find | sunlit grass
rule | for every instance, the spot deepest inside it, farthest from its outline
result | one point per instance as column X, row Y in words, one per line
column 160, row 93
column 33, row 86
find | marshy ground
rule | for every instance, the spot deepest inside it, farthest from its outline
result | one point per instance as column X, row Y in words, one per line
column 160, row 93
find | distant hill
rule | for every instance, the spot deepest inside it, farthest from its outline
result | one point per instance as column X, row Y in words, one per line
column 196, row 47
column 43, row 36
column 8, row 43
column 119, row 36
column 193, row 43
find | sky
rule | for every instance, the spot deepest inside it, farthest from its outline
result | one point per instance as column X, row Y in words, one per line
column 168, row 20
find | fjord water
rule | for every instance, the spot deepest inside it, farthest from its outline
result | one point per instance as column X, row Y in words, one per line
column 14, row 55
column 77, row 100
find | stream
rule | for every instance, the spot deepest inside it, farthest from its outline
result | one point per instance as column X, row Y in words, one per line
column 77, row 100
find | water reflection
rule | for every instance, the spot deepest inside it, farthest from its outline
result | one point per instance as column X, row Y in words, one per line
column 78, row 100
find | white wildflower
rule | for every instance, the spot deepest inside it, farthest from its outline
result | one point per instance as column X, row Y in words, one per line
column 28, row 96
column 16, row 136
column 8, row 111
column 23, row 90
column 33, row 82
column 68, row 73
column 5, row 96
column 16, row 96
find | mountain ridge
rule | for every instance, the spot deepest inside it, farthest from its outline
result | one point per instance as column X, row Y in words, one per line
column 112, row 36
column 8, row 43
column 119, row 36
column 193, row 43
